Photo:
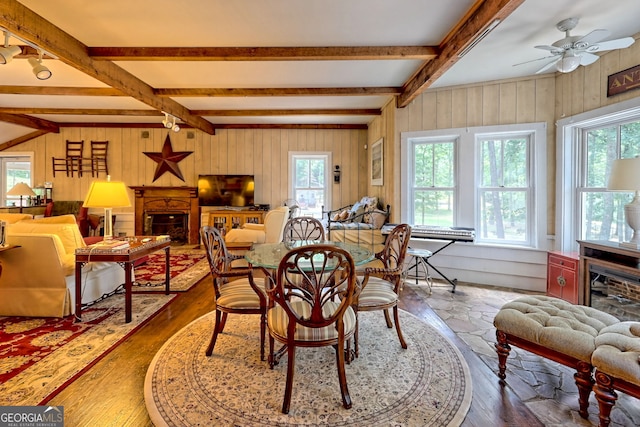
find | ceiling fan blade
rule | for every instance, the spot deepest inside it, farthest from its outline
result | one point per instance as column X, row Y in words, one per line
column 587, row 58
column 535, row 60
column 548, row 66
column 612, row 44
column 594, row 37
column 548, row 47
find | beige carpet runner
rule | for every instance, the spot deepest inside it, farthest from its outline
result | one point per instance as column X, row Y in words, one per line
column 427, row 384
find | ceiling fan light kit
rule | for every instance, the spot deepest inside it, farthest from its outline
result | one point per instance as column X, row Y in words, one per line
column 572, row 51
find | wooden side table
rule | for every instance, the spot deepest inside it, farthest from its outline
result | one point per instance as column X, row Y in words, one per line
column 140, row 247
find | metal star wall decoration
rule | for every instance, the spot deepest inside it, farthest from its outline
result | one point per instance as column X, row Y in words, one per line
column 168, row 160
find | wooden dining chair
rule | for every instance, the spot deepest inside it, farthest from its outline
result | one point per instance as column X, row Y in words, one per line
column 380, row 287
column 303, row 228
column 237, row 291
column 308, row 312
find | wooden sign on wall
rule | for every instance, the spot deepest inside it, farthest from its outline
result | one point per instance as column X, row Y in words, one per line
column 623, row 81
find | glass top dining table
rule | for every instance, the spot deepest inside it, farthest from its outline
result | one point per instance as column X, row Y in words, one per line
column 269, row 255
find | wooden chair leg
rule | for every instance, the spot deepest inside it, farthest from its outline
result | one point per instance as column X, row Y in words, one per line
column 387, row 318
column 216, row 330
column 263, row 331
column 396, row 317
column 503, row 349
column 291, row 351
column 342, row 376
column 606, row 397
column 584, row 382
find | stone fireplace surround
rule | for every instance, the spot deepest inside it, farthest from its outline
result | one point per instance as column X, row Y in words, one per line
column 150, row 200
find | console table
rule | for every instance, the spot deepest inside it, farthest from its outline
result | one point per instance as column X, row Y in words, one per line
column 607, row 259
column 139, row 247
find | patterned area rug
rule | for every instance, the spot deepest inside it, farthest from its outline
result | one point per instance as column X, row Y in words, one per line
column 40, row 356
column 188, row 267
column 426, row 384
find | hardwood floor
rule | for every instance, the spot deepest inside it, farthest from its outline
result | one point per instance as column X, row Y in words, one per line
column 111, row 392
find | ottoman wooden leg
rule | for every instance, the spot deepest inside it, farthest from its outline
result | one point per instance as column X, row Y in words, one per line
column 503, row 349
column 584, row 381
column 606, row 397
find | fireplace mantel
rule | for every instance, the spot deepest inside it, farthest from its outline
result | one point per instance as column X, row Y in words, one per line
column 168, row 200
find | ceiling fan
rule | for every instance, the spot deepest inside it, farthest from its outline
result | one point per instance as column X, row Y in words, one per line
column 572, row 51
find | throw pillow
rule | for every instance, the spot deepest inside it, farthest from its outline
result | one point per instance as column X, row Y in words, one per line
column 357, row 211
column 344, row 215
column 635, row 329
column 377, row 218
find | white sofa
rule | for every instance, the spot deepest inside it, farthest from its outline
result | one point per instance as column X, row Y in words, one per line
column 38, row 278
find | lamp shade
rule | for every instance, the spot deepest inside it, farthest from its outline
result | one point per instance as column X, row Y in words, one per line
column 107, row 194
column 21, row 189
column 625, row 175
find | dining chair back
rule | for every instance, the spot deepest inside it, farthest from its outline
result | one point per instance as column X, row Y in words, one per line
column 381, row 287
column 236, row 290
column 303, row 228
column 312, row 295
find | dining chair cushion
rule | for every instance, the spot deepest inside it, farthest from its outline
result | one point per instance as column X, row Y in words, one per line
column 377, row 292
column 278, row 320
column 239, row 294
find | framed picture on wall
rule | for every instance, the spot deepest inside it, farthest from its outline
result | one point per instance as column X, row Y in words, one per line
column 377, row 162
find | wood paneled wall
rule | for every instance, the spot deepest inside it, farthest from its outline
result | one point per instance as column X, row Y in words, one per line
column 263, row 153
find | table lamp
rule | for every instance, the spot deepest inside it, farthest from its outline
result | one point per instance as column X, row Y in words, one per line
column 625, row 176
column 21, row 189
column 108, row 195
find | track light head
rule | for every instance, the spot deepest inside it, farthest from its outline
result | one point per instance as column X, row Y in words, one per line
column 39, row 70
column 176, row 128
column 8, row 52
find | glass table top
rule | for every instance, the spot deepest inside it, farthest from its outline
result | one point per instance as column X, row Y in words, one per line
column 269, row 255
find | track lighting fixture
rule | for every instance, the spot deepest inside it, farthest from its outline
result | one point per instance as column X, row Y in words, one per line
column 39, row 70
column 8, row 52
column 170, row 122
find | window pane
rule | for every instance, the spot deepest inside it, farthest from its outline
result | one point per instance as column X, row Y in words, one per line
column 601, row 150
column 630, row 140
column 423, row 165
column 504, row 163
column 302, row 173
column 433, row 208
column 443, row 167
column 603, row 216
column 503, row 215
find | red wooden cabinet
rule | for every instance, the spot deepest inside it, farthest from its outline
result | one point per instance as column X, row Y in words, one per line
column 562, row 276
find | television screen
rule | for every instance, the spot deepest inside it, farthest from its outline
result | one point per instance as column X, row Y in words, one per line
column 226, row 190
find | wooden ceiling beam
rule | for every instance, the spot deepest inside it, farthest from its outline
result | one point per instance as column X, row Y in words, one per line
column 58, row 90
column 467, row 30
column 31, row 122
column 32, row 28
column 298, row 91
column 336, row 53
column 220, row 113
column 292, row 112
column 21, row 139
column 221, row 125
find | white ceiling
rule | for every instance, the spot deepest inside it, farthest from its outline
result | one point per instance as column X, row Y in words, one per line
column 287, row 23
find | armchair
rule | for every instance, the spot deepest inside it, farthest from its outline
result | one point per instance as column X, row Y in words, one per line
column 270, row 232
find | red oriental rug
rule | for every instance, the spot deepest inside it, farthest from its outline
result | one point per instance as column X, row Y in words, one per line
column 40, row 356
column 187, row 267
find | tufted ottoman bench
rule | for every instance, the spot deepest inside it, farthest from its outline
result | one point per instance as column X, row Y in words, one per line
column 554, row 329
column 617, row 362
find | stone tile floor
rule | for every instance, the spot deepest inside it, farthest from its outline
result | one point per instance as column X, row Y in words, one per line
column 546, row 387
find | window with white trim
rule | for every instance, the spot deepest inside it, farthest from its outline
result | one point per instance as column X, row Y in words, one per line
column 309, row 181
column 14, row 168
column 587, row 144
column 491, row 178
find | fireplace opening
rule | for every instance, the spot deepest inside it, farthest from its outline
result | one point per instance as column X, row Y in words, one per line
column 173, row 224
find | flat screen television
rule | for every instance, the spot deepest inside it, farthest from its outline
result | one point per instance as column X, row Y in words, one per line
column 226, row 190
